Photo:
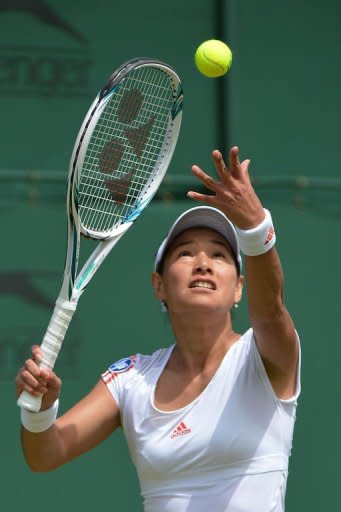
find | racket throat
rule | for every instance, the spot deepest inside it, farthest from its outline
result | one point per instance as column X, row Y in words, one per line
column 96, row 259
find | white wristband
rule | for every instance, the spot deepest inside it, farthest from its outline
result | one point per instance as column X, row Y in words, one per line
column 258, row 240
column 39, row 421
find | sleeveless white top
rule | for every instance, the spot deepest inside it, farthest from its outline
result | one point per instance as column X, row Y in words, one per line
column 227, row 451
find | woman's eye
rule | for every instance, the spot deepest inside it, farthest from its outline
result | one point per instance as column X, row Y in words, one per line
column 219, row 254
column 184, row 253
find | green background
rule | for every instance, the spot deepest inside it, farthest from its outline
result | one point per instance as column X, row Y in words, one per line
column 280, row 103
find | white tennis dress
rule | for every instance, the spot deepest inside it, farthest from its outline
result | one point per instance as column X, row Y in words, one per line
column 227, row 451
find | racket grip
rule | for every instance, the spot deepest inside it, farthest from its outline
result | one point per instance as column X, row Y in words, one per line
column 50, row 346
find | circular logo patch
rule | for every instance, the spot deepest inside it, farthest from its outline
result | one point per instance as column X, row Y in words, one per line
column 122, row 365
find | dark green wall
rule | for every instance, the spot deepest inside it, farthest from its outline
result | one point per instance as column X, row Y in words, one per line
column 282, row 108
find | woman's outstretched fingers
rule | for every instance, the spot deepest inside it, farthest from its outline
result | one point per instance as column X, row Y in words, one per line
column 220, row 165
column 234, row 155
column 234, row 161
column 203, row 198
column 205, row 179
column 238, row 169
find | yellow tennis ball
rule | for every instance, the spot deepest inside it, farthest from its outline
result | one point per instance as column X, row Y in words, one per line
column 213, row 58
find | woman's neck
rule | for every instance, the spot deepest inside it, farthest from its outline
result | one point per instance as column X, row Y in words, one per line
column 201, row 339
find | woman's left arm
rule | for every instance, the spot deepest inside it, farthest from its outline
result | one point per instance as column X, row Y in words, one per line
column 272, row 324
column 273, row 327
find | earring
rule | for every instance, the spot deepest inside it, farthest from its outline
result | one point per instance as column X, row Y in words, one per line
column 164, row 308
column 236, row 305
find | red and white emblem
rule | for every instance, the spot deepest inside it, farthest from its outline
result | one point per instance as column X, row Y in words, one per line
column 180, row 430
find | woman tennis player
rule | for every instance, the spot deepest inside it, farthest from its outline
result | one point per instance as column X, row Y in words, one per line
column 209, row 420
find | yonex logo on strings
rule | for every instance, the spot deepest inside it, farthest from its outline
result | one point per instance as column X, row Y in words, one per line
column 180, row 430
column 112, row 152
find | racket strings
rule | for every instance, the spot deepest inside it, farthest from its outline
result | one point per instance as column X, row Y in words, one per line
column 124, row 148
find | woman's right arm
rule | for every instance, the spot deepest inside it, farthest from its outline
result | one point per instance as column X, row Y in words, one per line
column 80, row 429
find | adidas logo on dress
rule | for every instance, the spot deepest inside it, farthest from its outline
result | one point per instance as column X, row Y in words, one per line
column 181, row 430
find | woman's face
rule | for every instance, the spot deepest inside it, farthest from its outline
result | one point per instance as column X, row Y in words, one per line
column 199, row 271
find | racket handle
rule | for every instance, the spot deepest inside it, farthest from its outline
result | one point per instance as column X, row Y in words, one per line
column 50, row 346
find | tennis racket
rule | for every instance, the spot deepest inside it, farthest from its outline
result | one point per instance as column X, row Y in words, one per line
column 119, row 159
